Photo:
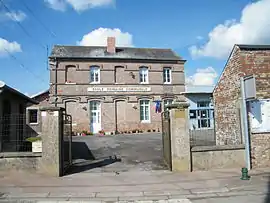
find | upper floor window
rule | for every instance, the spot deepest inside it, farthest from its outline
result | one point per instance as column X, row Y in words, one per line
column 143, row 75
column 94, row 74
column 70, row 74
column 167, row 75
column 203, row 103
column 145, row 110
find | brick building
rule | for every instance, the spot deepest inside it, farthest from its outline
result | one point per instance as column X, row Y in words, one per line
column 115, row 89
column 244, row 60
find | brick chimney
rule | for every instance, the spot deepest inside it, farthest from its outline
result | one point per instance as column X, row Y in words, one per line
column 111, row 45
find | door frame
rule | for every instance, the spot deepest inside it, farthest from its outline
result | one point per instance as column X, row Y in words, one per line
column 99, row 114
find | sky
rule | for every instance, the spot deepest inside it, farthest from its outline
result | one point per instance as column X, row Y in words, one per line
column 201, row 32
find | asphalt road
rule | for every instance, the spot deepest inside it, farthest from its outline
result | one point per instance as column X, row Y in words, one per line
column 118, row 153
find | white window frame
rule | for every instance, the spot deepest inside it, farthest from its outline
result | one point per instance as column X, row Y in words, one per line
column 167, row 102
column 96, row 71
column 145, row 103
column 203, row 102
column 167, row 79
column 28, row 115
column 144, row 75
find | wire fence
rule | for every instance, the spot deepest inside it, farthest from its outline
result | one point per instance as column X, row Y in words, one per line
column 208, row 127
column 14, row 131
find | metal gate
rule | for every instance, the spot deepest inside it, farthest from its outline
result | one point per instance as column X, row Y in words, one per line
column 66, row 143
column 166, row 139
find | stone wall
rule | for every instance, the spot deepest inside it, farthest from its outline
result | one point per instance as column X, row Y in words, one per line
column 24, row 161
column 226, row 95
column 217, row 157
column 260, row 150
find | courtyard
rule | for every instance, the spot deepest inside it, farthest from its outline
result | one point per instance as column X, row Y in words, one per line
column 118, row 153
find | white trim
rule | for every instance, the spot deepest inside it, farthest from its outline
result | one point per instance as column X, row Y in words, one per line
column 96, row 70
column 144, row 114
column 170, row 75
column 144, row 70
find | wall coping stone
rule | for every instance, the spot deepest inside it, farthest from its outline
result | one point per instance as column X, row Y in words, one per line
column 217, row 148
column 178, row 105
column 51, row 108
column 20, row 154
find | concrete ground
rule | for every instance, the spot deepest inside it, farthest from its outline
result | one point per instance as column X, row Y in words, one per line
column 223, row 186
column 120, row 153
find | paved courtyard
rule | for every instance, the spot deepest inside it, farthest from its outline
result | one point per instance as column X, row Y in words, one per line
column 120, row 153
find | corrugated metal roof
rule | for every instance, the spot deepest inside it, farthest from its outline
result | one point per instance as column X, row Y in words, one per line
column 61, row 51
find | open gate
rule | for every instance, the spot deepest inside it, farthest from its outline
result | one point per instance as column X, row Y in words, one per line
column 66, row 139
column 166, row 139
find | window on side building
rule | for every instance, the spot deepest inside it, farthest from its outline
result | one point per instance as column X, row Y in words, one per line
column 143, row 75
column 166, row 102
column 203, row 104
column 94, row 74
column 167, row 75
column 145, row 111
column 32, row 116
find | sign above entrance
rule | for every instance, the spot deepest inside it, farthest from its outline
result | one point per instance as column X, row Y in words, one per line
column 118, row 89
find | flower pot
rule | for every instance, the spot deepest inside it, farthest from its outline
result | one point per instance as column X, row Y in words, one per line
column 37, row 146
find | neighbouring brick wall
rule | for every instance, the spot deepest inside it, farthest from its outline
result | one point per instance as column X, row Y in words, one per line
column 260, row 150
column 226, row 97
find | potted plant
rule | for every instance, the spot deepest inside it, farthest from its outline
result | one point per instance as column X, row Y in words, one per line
column 36, row 143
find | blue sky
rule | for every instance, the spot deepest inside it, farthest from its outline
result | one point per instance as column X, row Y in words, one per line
column 202, row 32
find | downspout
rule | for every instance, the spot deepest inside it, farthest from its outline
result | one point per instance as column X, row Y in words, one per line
column 55, row 84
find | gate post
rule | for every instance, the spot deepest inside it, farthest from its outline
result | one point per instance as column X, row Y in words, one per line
column 52, row 129
column 180, row 142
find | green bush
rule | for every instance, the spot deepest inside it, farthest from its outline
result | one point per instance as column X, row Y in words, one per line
column 33, row 139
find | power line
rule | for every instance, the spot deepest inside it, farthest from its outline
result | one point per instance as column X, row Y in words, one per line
column 38, row 20
column 20, row 25
column 23, row 66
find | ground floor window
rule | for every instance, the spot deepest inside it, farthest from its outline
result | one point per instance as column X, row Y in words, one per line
column 202, row 117
column 145, row 110
column 166, row 103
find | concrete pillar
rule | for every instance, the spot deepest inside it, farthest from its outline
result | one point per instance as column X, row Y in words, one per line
column 52, row 129
column 180, row 142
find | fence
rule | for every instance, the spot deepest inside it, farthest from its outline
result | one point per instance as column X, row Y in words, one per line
column 207, row 127
column 14, row 131
column 67, row 141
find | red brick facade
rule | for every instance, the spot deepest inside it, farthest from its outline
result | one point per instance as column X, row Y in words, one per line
column 243, row 61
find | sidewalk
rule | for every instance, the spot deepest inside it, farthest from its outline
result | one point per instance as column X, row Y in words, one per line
column 131, row 186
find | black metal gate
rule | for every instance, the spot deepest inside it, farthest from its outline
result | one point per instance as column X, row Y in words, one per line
column 166, row 139
column 66, row 143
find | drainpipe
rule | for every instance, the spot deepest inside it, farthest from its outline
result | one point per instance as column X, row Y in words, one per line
column 55, row 83
column 245, row 123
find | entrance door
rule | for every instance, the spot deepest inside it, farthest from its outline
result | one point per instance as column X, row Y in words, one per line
column 95, row 116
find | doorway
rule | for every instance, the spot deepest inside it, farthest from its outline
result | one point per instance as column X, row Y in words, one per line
column 95, row 116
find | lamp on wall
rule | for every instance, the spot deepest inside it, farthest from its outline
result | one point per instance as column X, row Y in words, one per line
column 84, row 108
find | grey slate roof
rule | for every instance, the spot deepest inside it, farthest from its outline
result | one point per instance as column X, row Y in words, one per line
column 250, row 46
column 89, row 52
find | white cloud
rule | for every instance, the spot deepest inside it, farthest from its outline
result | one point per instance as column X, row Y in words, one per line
column 16, row 15
column 206, row 76
column 11, row 47
column 252, row 28
column 12, row 15
column 78, row 5
column 59, row 5
column 99, row 36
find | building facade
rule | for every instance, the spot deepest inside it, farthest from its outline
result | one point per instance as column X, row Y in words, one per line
column 245, row 60
column 115, row 89
column 201, row 111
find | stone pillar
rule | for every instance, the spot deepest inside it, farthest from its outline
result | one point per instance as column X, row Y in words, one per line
column 52, row 129
column 180, row 142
